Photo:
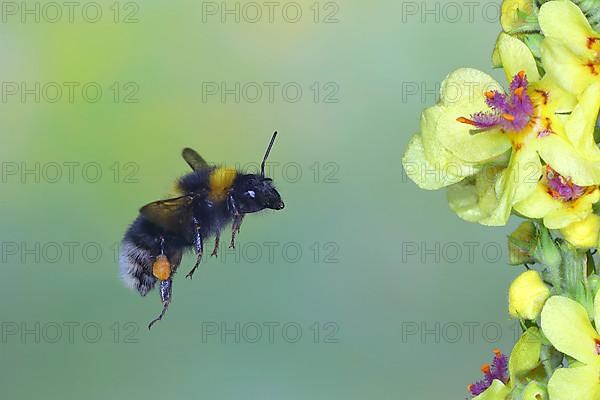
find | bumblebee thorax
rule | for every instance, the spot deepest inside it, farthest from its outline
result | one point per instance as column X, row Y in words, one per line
column 219, row 182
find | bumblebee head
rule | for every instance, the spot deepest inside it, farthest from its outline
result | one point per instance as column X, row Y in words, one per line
column 254, row 193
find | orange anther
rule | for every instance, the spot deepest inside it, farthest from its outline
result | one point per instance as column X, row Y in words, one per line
column 489, row 94
column 466, row 121
column 521, row 74
column 508, row 117
column 485, row 368
column 497, row 352
column 519, row 92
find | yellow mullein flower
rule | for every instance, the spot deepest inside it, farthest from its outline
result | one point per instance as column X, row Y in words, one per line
column 527, row 123
column 571, row 48
column 567, row 326
column 558, row 201
column 529, row 118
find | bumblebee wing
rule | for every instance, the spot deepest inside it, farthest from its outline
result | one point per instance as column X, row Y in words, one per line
column 172, row 215
column 193, row 159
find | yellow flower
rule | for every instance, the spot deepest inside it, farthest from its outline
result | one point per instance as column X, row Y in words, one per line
column 567, row 326
column 429, row 160
column 571, row 49
column 475, row 198
column 531, row 121
column 584, row 233
column 526, row 295
column 559, row 201
column 477, row 128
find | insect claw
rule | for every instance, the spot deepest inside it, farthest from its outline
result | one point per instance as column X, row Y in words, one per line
column 191, row 273
column 215, row 251
column 162, row 314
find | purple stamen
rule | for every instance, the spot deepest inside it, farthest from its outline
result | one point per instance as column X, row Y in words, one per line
column 509, row 112
column 498, row 370
column 562, row 188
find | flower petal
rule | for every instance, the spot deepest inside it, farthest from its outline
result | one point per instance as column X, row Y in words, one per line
column 497, row 391
column 581, row 124
column 435, row 153
column 525, row 356
column 420, row 171
column 474, row 198
column 462, row 95
column 515, row 57
column 564, row 66
column 575, row 383
column 558, row 152
column 560, row 101
column 566, row 324
column 517, row 182
column 572, row 212
column 584, row 233
column 563, row 20
column 538, row 204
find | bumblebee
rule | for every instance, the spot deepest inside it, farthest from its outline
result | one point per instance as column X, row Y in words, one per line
column 211, row 198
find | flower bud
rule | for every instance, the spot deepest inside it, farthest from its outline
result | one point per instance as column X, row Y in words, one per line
column 522, row 243
column 525, row 356
column 518, row 16
column 547, row 252
column 584, row 233
column 526, row 295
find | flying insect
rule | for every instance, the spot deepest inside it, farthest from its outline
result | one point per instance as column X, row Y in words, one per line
column 210, row 198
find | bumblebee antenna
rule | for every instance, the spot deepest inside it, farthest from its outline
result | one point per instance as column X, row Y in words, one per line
column 262, row 165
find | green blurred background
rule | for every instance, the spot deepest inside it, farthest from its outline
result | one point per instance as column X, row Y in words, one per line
column 352, row 202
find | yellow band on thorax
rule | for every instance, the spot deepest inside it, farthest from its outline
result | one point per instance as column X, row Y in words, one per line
column 219, row 183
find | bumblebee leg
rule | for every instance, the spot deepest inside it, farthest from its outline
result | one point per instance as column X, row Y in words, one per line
column 235, row 229
column 232, row 206
column 166, row 289
column 199, row 249
column 215, row 251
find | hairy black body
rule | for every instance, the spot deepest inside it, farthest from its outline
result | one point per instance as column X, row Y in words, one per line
column 211, row 199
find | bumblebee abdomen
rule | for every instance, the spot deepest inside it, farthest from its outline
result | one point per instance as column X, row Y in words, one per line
column 139, row 250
